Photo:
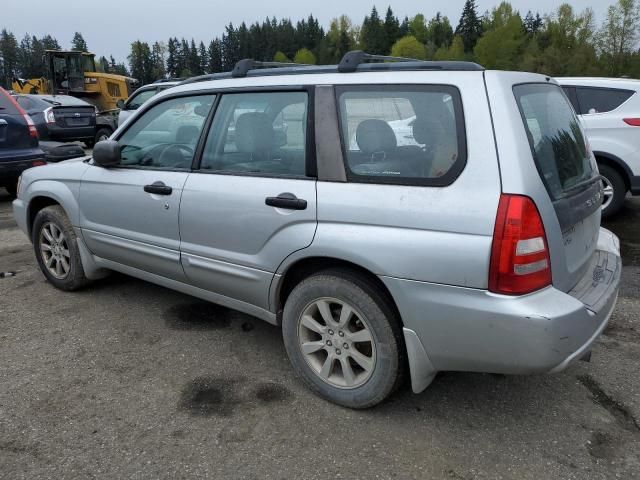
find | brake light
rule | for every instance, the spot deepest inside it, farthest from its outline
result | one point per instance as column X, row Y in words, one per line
column 634, row 122
column 520, row 260
column 49, row 116
column 38, row 163
column 33, row 132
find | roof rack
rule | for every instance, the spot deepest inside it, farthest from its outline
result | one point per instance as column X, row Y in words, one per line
column 243, row 66
column 354, row 61
column 164, row 80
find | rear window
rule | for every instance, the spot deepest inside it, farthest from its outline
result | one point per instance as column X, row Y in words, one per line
column 6, row 104
column 402, row 134
column 556, row 139
column 601, row 100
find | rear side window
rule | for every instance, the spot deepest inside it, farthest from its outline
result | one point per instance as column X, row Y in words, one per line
column 402, row 134
column 6, row 105
column 556, row 139
column 601, row 100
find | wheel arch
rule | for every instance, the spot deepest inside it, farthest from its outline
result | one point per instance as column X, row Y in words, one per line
column 44, row 193
column 617, row 163
column 302, row 268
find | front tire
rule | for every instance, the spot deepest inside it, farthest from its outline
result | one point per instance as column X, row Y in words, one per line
column 343, row 339
column 101, row 134
column 615, row 190
column 56, row 248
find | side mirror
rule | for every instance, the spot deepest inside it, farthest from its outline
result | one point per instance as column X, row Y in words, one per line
column 120, row 104
column 106, row 153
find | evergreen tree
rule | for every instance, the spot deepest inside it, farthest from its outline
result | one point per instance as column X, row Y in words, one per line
column 214, row 56
column 204, row 58
column 172, row 58
column 403, row 31
column 9, row 55
column 391, row 29
column 78, row 43
column 439, row 31
column 372, row 34
column 140, row 62
column 470, row 25
column 532, row 25
column 193, row 62
column 158, row 54
column 103, row 64
column 230, row 48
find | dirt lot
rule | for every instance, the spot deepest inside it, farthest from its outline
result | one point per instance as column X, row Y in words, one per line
column 130, row 380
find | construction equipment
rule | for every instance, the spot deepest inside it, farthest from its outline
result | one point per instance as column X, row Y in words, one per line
column 74, row 73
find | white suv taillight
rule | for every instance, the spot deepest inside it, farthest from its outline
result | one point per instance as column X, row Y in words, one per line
column 49, row 116
column 520, row 260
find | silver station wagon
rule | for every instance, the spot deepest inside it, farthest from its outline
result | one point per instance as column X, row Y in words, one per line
column 393, row 218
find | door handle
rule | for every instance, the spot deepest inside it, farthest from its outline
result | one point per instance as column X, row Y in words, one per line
column 287, row 201
column 159, row 188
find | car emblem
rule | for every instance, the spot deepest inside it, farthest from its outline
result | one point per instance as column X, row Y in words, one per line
column 76, row 114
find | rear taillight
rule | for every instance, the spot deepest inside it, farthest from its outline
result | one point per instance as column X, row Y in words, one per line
column 634, row 122
column 49, row 116
column 520, row 260
column 38, row 163
column 33, row 132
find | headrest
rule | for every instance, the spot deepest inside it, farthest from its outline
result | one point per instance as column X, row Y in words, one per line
column 187, row 134
column 426, row 130
column 375, row 136
column 254, row 133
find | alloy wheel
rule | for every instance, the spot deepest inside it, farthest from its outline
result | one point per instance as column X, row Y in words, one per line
column 337, row 343
column 55, row 250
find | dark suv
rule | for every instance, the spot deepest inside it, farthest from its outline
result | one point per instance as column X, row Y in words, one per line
column 18, row 142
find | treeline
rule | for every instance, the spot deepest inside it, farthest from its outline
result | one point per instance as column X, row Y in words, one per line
column 563, row 42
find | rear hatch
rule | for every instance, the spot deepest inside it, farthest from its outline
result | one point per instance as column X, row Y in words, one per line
column 568, row 170
column 75, row 116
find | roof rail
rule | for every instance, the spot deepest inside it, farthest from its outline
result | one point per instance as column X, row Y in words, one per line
column 243, row 66
column 163, row 80
column 353, row 59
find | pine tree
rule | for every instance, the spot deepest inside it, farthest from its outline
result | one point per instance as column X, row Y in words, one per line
column 193, row 62
column 158, row 54
column 9, row 55
column 230, row 48
column 439, row 31
column 391, row 29
column 172, row 58
column 204, row 58
column 372, row 34
column 470, row 25
column 78, row 43
column 140, row 62
column 214, row 55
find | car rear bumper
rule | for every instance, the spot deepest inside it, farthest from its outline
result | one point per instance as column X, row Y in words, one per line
column 463, row 329
column 71, row 133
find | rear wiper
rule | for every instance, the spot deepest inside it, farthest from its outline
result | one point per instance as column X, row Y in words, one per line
column 585, row 183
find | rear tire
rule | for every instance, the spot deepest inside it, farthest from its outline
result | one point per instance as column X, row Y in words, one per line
column 56, row 248
column 615, row 190
column 364, row 353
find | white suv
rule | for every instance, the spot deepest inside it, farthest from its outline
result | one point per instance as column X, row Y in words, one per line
column 610, row 111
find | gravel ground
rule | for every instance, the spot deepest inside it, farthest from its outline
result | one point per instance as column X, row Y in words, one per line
column 130, row 380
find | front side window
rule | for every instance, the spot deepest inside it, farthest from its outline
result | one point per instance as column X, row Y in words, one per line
column 601, row 100
column 166, row 135
column 137, row 100
column 555, row 137
column 258, row 133
column 403, row 134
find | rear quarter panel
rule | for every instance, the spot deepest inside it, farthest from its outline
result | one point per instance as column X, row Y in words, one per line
column 432, row 234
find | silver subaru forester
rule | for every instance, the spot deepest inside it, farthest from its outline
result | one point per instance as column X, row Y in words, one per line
column 397, row 217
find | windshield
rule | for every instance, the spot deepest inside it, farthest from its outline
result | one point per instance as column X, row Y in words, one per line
column 556, row 139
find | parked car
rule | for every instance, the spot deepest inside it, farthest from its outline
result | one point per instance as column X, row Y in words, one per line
column 610, row 111
column 477, row 249
column 141, row 95
column 60, row 117
column 19, row 148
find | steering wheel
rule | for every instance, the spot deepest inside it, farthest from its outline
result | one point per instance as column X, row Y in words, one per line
column 168, row 150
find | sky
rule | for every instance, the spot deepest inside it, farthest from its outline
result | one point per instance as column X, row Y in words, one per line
column 110, row 26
